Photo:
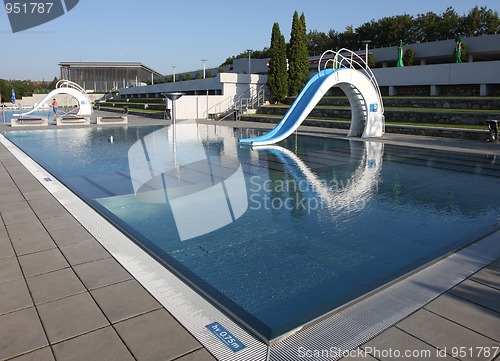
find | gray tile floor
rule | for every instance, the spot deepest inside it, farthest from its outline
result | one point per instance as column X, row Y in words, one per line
column 63, row 297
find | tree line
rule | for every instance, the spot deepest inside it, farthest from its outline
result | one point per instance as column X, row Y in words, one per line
column 24, row 88
column 411, row 29
column 389, row 30
column 289, row 67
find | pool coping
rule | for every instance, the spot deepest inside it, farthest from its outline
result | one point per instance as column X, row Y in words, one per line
column 159, row 284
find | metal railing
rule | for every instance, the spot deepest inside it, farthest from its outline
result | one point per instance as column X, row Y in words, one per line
column 63, row 83
column 351, row 61
column 255, row 100
column 250, row 99
column 219, row 108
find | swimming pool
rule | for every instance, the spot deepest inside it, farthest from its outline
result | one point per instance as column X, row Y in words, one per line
column 276, row 236
column 7, row 115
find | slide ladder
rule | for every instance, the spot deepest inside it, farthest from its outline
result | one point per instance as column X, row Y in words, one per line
column 346, row 70
column 71, row 88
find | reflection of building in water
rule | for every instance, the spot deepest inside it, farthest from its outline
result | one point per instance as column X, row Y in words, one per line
column 187, row 168
column 349, row 196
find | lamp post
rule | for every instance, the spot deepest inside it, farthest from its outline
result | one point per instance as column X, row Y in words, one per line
column 173, row 97
column 204, row 61
column 249, row 66
column 366, row 42
column 173, row 68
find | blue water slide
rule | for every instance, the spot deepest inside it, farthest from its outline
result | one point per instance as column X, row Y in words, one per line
column 295, row 114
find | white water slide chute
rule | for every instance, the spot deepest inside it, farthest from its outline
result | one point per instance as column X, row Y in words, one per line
column 70, row 88
column 343, row 69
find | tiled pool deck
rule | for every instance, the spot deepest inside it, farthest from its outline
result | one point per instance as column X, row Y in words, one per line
column 64, row 297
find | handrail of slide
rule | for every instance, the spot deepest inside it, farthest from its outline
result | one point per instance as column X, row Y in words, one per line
column 351, row 61
column 63, row 83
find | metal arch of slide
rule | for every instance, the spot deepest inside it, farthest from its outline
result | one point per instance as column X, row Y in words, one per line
column 358, row 84
column 70, row 88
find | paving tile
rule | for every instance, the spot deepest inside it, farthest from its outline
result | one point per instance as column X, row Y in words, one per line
column 17, row 230
column 11, row 197
column 156, row 336
column 60, row 222
column 6, row 249
column 101, row 273
column 21, row 213
column 20, row 332
column 43, row 354
column 489, row 277
column 9, row 188
column 54, row 285
column 37, row 195
column 495, row 265
column 3, row 230
column 44, row 205
column 71, row 316
column 200, row 355
column 442, row 333
column 102, row 344
column 124, row 300
column 42, row 262
column 468, row 314
column 9, row 269
column 394, row 344
column 84, row 251
column 70, row 235
column 33, row 243
column 50, row 211
column 26, row 182
column 14, row 295
column 478, row 293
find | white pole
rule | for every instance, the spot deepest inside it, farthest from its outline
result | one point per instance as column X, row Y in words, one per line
column 173, row 67
column 249, row 65
column 204, row 61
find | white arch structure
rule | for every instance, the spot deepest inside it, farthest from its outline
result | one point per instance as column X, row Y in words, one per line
column 71, row 88
column 352, row 75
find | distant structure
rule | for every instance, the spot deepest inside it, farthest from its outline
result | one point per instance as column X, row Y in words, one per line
column 102, row 77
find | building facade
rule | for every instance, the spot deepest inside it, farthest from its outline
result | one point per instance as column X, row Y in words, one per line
column 102, row 77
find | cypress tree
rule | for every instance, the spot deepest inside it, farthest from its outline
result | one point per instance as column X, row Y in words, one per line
column 298, row 71
column 277, row 80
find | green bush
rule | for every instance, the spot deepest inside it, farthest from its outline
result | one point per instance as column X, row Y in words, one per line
column 409, row 57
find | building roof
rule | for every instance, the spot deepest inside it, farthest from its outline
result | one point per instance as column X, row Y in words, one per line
column 108, row 64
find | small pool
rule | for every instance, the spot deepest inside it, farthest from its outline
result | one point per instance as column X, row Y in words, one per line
column 7, row 115
column 275, row 236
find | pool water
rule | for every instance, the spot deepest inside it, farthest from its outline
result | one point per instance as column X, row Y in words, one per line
column 276, row 236
column 7, row 115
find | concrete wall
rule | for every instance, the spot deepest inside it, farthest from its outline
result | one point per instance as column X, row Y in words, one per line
column 440, row 74
column 476, row 46
column 231, row 86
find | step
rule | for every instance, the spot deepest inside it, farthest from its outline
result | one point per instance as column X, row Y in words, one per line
column 471, row 103
column 474, row 134
column 397, row 115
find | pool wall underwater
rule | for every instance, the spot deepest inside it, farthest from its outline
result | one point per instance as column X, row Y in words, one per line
column 347, row 328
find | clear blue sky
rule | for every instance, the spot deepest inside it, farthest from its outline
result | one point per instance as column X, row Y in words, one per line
column 163, row 33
